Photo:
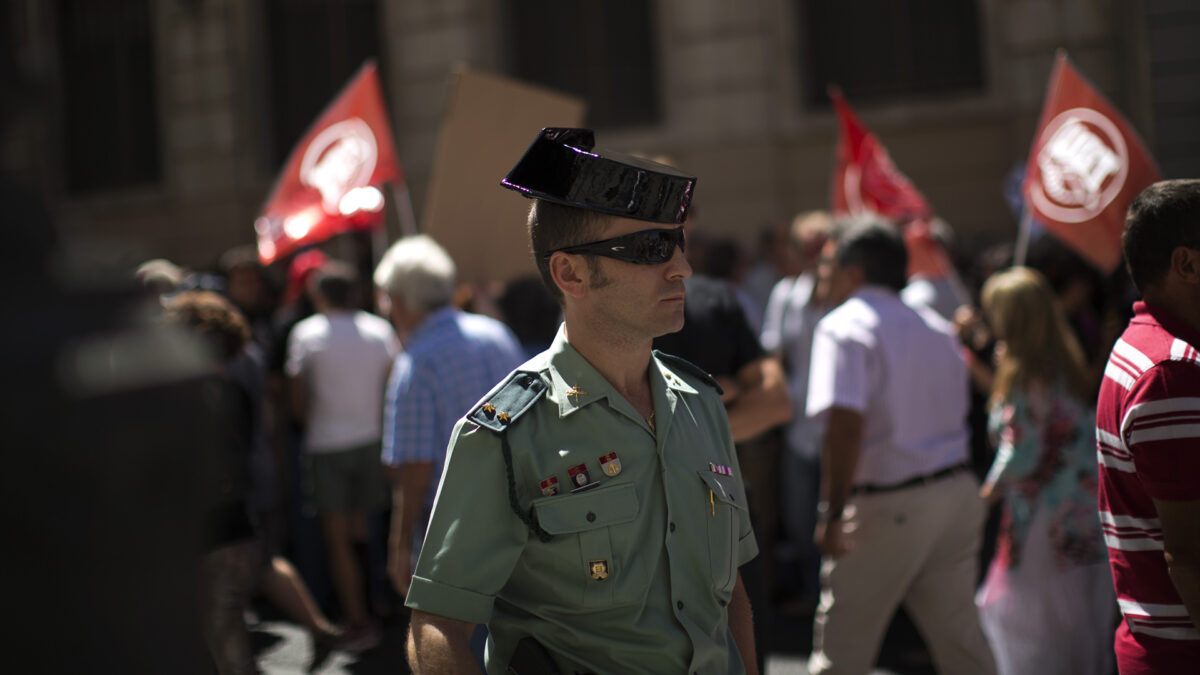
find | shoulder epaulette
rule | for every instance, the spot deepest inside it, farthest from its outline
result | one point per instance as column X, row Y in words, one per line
column 684, row 364
column 508, row 401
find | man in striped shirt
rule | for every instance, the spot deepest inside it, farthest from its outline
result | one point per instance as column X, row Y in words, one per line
column 1148, row 438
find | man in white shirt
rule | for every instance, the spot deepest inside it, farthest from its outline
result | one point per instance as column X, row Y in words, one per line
column 900, row 519
column 338, row 364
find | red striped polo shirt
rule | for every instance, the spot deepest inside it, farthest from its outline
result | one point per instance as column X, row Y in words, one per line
column 1148, row 446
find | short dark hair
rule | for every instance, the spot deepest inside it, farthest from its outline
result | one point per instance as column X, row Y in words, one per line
column 337, row 284
column 878, row 249
column 553, row 226
column 214, row 318
column 1163, row 216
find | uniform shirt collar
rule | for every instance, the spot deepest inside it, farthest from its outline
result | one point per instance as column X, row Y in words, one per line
column 575, row 383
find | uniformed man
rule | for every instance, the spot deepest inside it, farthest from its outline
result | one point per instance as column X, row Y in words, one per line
column 591, row 511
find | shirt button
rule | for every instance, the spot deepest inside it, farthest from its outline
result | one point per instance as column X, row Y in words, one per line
column 672, row 527
column 591, row 517
column 721, row 602
column 679, row 604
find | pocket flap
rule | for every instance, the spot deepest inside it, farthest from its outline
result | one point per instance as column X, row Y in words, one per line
column 600, row 507
column 724, row 488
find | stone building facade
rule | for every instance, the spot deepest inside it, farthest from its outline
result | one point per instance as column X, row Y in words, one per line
column 201, row 95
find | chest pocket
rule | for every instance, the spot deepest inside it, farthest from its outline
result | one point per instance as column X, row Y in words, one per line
column 724, row 525
column 592, row 545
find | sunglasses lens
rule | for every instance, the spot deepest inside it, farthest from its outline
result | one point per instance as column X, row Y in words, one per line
column 649, row 247
column 658, row 246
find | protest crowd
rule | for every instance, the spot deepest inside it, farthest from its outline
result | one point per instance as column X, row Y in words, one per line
column 661, row 449
column 925, row 441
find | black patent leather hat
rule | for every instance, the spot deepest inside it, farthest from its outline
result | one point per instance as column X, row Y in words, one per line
column 561, row 166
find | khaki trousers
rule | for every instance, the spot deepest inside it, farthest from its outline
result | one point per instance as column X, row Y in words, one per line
column 918, row 546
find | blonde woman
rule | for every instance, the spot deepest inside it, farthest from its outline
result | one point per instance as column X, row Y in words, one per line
column 1047, row 602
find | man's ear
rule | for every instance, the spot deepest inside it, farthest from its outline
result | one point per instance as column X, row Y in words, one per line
column 1185, row 264
column 570, row 273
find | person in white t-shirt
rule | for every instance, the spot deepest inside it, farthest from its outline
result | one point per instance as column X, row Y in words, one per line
column 797, row 303
column 900, row 519
column 338, row 364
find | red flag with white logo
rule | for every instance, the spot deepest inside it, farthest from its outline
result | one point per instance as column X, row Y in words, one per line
column 330, row 183
column 1085, row 167
column 866, row 181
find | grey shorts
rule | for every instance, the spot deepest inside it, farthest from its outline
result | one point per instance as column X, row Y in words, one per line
column 346, row 481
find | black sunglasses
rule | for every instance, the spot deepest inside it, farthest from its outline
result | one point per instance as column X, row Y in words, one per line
column 647, row 247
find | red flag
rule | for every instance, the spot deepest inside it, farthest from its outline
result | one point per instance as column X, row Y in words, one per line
column 866, row 181
column 331, row 180
column 1086, row 164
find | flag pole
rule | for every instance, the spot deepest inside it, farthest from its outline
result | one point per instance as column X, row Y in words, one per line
column 404, row 208
column 1022, row 247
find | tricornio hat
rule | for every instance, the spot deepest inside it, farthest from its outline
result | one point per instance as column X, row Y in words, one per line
column 562, row 167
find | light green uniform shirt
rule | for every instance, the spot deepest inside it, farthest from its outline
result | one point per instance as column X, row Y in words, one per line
column 640, row 567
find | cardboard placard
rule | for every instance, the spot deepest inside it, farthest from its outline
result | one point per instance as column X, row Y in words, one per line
column 490, row 121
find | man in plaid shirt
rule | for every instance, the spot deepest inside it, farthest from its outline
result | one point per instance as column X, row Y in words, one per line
column 451, row 359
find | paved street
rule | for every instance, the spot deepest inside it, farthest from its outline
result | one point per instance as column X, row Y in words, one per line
column 283, row 649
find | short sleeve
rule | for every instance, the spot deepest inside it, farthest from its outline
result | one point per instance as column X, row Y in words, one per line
column 772, row 330
column 474, row 539
column 1019, row 441
column 838, row 373
column 1162, row 430
column 297, row 354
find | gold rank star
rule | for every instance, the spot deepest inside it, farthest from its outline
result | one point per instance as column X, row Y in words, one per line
column 574, row 393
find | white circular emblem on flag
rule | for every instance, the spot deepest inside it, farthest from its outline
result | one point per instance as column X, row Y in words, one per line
column 341, row 158
column 1083, row 163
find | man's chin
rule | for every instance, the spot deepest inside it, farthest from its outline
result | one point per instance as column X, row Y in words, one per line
column 671, row 327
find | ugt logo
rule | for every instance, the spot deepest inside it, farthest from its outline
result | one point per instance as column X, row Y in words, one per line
column 1083, row 165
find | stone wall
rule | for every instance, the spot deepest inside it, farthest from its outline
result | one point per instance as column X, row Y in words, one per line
column 732, row 112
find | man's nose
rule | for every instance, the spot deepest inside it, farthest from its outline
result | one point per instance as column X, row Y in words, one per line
column 677, row 266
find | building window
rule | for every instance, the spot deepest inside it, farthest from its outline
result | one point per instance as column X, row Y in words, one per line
column 109, row 98
column 603, row 52
column 314, row 47
column 878, row 50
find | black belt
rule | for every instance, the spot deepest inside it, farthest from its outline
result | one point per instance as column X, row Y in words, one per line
column 925, row 479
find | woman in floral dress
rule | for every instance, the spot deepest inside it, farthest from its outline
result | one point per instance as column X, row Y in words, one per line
column 1047, row 603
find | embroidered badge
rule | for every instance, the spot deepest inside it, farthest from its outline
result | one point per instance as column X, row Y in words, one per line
column 598, row 569
column 550, row 486
column 611, row 464
column 579, row 475
column 720, row 469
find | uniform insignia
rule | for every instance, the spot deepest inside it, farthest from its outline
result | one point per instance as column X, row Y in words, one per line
column 598, row 569
column 720, row 469
column 508, row 401
column 550, row 486
column 685, row 365
column 574, row 393
column 579, row 475
column 611, row 464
